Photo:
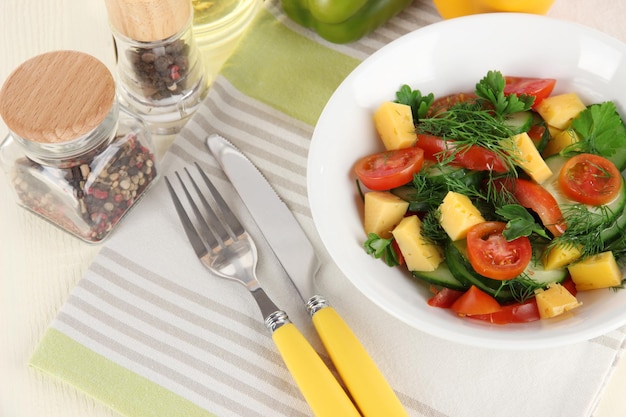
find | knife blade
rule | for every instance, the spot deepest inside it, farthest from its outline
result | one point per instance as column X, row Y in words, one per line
column 368, row 387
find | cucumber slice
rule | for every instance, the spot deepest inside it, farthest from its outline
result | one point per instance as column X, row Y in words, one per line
column 535, row 272
column 442, row 277
column 409, row 194
column 519, row 122
column 462, row 270
column 460, row 267
column 438, row 173
column 615, row 230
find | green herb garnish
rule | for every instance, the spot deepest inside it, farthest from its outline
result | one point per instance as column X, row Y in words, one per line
column 419, row 104
column 381, row 249
column 601, row 129
column 491, row 88
column 520, row 222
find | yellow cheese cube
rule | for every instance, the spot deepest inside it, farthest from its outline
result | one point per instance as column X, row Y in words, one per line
column 560, row 141
column 458, row 215
column 555, row 300
column 554, row 131
column 560, row 110
column 382, row 212
column 598, row 271
column 419, row 254
column 560, row 256
column 528, row 157
column 394, row 124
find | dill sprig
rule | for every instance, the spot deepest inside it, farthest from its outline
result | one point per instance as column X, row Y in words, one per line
column 432, row 230
column 469, row 124
column 521, row 288
column 584, row 229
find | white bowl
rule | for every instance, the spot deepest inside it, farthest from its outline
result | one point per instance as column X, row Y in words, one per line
column 445, row 58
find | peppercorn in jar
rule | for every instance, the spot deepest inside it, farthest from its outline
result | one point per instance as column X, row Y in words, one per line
column 159, row 69
column 72, row 155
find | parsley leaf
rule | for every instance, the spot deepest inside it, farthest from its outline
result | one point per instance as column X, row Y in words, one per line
column 381, row 248
column 419, row 104
column 491, row 88
column 601, row 129
column 520, row 222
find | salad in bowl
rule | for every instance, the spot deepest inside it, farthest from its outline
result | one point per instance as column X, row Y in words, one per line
column 506, row 200
column 581, row 65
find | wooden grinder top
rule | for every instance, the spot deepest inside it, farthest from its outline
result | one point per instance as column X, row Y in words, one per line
column 148, row 20
column 57, row 96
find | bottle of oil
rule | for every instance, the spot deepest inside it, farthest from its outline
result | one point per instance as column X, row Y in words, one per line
column 218, row 25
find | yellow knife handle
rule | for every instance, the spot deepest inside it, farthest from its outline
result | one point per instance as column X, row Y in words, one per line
column 368, row 387
column 318, row 385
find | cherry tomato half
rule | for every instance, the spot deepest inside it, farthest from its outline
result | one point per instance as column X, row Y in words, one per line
column 475, row 301
column 492, row 256
column 539, row 88
column 444, row 103
column 390, row 169
column 590, row 179
column 475, row 157
column 533, row 196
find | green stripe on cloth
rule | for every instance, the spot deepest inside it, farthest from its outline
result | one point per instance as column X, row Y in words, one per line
column 287, row 78
column 114, row 385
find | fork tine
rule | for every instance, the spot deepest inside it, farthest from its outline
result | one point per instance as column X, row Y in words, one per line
column 190, row 230
column 236, row 229
column 214, row 232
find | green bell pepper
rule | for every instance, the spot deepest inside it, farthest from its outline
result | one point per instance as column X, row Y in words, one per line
column 342, row 21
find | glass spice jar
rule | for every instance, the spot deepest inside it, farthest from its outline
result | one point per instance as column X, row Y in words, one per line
column 72, row 155
column 160, row 72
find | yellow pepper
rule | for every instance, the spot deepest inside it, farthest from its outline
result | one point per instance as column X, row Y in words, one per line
column 455, row 8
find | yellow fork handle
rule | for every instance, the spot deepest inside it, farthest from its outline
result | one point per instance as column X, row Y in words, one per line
column 368, row 387
column 320, row 389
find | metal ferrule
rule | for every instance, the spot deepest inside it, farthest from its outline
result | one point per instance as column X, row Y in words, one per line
column 316, row 303
column 275, row 320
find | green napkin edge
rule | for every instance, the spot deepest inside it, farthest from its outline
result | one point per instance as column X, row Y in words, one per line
column 288, row 79
column 117, row 387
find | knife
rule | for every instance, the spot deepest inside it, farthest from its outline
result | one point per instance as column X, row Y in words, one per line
column 366, row 384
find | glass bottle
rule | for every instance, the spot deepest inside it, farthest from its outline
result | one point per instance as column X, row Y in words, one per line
column 72, row 155
column 160, row 72
column 218, row 26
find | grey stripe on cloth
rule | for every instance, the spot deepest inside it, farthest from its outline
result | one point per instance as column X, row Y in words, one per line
column 265, row 133
column 115, row 269
column 119, row 299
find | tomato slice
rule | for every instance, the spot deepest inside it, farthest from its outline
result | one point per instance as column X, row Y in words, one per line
column 475, row 301
column 533, row 196
column 444, row 298
column 540, row 88
column 492, row 256
column 590, row 179
column 442, row 104
column 512, row 313
column 570, row 286
column 390, row 169
column 474, row 158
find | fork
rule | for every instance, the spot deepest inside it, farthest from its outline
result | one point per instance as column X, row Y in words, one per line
column 227, row 250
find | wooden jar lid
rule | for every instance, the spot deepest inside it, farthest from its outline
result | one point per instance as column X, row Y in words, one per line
column 148, row 20
column 57, row 96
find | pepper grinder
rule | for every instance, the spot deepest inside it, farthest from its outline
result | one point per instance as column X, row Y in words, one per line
column 160, row 73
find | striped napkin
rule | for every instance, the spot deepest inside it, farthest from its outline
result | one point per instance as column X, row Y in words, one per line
column 149, row 332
